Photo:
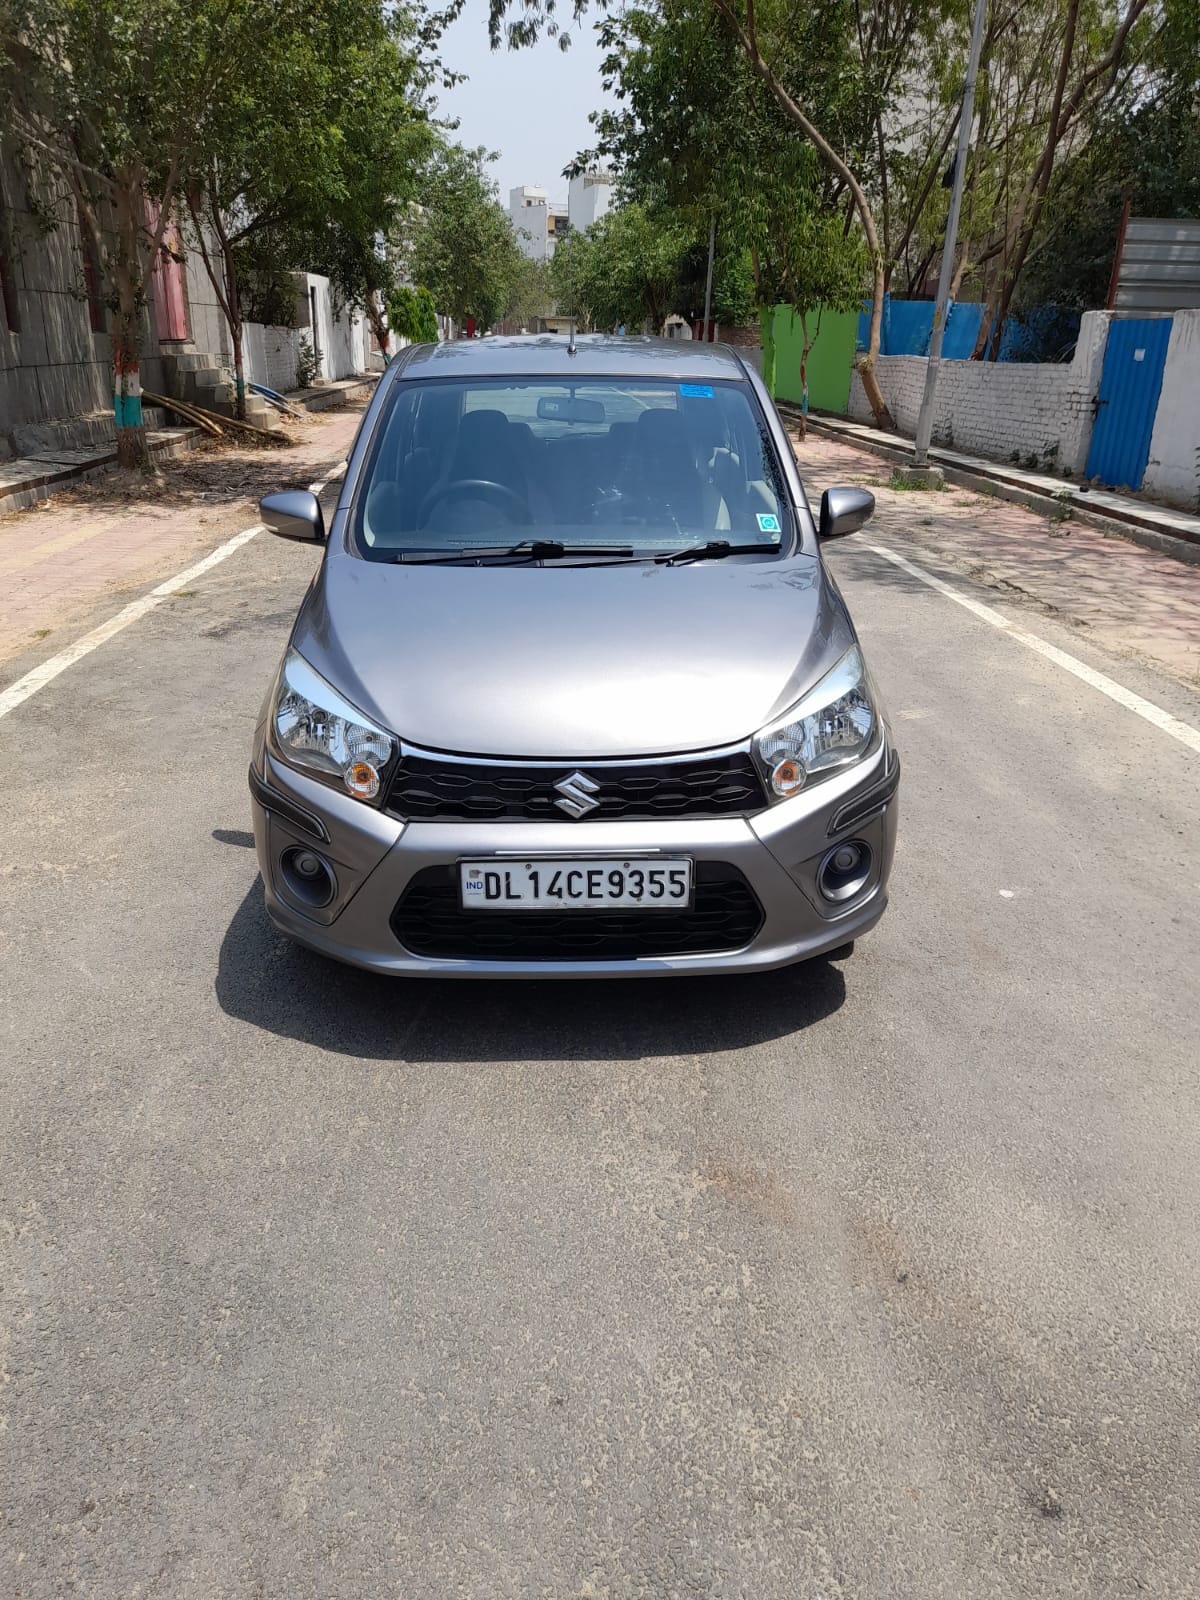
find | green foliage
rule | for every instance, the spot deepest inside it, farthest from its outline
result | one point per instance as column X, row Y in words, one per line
column 530, row 296
column 733, row 299
column 1146, row 145
column 624, row 271
column 724, row 149
column 458, row 240
column 412, row 314
column 316, row 159
column 308, row 362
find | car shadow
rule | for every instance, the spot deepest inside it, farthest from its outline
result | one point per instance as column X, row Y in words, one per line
column 266, row 980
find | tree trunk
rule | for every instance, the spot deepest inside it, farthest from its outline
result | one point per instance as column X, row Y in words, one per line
column 377, row 321
column 235, row 330
column 766, row 321
column 132, row 450
column 806, row 345
column 866, row 362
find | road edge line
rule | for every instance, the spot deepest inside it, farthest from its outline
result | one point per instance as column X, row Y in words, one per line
column 1146, row 709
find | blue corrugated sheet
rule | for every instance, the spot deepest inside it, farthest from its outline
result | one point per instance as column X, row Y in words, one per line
column 1130, row 383
column 1047, row 333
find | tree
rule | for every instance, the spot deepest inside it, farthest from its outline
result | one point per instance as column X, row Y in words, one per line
column 530, row 295
column 571, row 276
column 629, row 274
column 1145, row 149
column 806, row 60
column 1053, row 74
column 412, row 314
column 311, row 162
column 458, row 241
column 111, row 97
column 724, row 151
column 1087, row 62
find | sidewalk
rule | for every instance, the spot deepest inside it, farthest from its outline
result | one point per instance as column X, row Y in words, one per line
column 32, row 478
column 96, row 541
column 1124, row 597
column 1159, row 527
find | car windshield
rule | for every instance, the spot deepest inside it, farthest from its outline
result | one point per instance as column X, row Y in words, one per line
column 644, row 466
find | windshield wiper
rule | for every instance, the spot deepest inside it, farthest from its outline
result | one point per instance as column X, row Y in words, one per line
column 527, row 549
column 712, row 551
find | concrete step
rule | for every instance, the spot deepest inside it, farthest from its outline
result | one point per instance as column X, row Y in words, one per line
column 197, row 378
column 188, row 361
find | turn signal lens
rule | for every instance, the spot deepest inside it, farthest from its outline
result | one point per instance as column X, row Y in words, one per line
column 787, row 778
column 362, row 780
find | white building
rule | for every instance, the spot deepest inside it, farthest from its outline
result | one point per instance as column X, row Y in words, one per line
column 529, row 211
column 589, row 196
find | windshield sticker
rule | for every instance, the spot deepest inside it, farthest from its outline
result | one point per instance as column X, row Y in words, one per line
column 767, row 523
column 696, row 391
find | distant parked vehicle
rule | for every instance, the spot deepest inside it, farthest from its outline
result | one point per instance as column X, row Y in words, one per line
column 572, row 693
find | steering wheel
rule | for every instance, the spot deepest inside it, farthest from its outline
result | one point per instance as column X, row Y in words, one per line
column 500, row 494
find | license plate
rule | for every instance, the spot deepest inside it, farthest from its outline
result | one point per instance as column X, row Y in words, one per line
column 575, row 884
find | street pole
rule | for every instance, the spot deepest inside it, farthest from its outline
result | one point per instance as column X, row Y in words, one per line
column 925, row 419
column 712, row 245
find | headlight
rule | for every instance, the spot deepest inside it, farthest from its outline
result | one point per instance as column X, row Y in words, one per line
column 834, row 726
column 320, row 732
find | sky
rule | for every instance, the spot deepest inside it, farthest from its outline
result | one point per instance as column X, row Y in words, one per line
column 531, row 105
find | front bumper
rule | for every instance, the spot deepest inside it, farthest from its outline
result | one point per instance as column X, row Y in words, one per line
column 374, row 859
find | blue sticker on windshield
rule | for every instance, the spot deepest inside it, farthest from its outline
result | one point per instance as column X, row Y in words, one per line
column 696, row 391
column 767, row 523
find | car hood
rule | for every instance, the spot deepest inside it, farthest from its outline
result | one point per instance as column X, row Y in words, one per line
column 572, row 662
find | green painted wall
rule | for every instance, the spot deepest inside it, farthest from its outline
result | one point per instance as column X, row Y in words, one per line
column 829, row 360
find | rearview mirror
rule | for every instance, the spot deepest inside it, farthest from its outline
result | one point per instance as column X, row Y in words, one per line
column 844, row 511
column 293, row 514
column 555, row 408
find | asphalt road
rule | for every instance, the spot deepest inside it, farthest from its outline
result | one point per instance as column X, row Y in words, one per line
column 874, row 1280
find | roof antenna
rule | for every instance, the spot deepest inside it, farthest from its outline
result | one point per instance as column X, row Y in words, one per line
column 571, row 350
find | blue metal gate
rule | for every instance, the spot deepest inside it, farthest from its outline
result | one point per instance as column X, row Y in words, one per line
column 1134, row 358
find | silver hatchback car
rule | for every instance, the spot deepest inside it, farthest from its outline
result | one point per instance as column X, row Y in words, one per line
column 572, row 693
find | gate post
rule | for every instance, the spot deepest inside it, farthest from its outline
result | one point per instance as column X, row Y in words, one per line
column 1087, row 364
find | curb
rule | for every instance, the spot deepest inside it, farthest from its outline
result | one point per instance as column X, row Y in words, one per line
column 164, row 444
column 1002, row 488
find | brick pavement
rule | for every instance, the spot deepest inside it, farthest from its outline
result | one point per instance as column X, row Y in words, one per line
column 110, row 537
column 1126, row 598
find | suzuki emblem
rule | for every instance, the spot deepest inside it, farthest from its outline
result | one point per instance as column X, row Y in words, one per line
column 577, row 790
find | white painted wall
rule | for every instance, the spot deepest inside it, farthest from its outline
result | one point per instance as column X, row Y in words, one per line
column 271, row 353
column 1173, row 470
column 1009, row 410
column 589, row 196
column 529, row 212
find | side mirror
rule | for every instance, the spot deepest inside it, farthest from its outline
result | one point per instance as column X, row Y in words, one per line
column 294, row 514
column 844, row 511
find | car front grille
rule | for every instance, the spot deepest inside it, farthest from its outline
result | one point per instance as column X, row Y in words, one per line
column 427, row 788
column 428, row 921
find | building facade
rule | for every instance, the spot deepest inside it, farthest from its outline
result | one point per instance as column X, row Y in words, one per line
column 589, row 197
column 529, row 212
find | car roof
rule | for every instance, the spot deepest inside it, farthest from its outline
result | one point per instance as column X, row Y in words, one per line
column 546, row 355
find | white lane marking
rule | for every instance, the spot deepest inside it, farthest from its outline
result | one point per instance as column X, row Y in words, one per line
column 17, row 693
column 1183, row 731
